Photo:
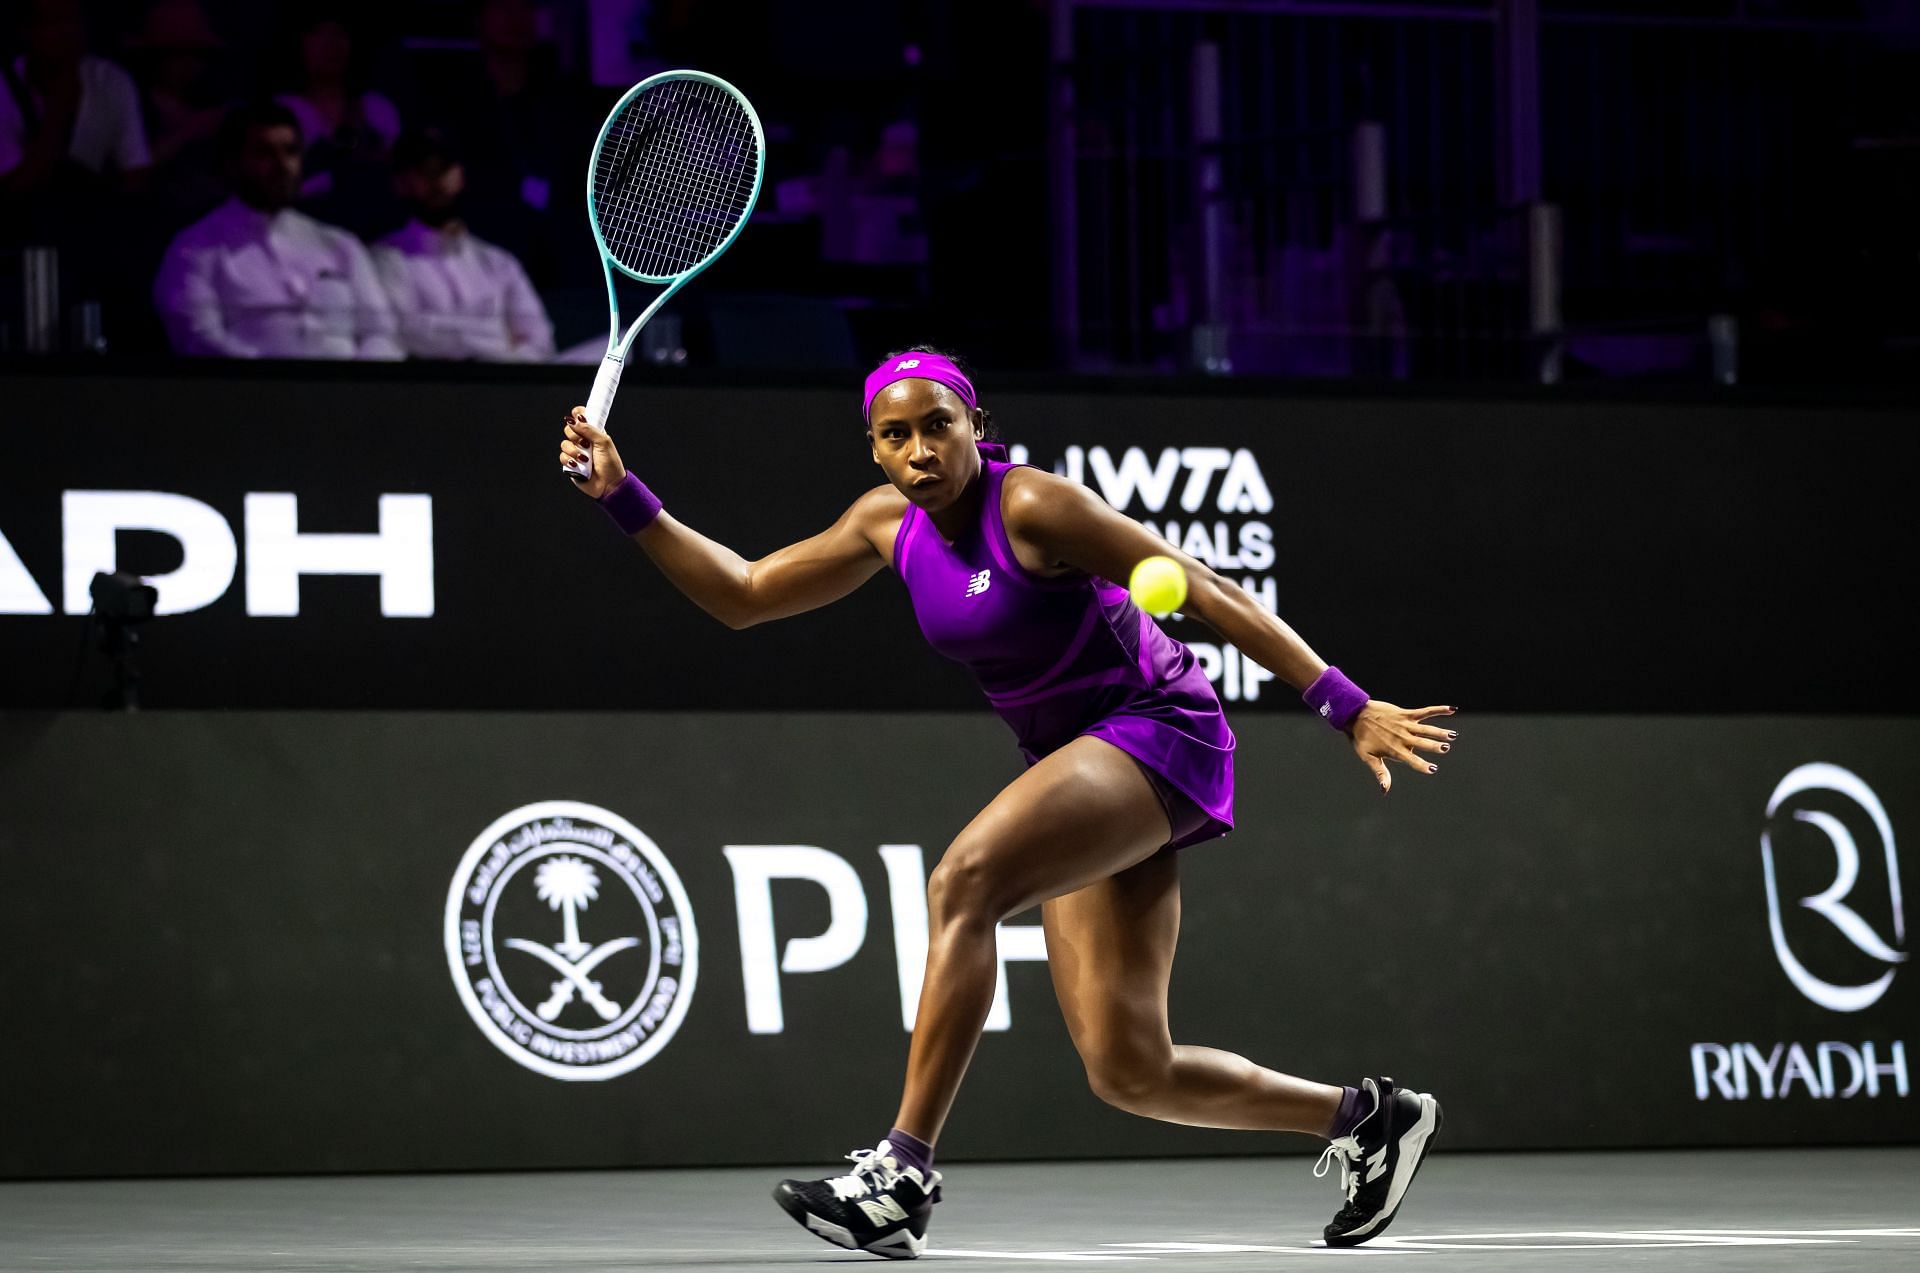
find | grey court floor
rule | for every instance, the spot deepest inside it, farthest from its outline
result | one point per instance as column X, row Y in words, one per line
column 1774, row 1209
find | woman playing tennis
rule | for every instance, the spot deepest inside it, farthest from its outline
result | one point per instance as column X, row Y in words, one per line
column 1129, row 760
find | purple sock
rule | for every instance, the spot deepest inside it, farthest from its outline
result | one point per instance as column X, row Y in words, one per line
column 911, row 1151
column 1352, row 1110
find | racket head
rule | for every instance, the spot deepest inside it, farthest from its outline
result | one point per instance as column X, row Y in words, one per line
column 674, row 176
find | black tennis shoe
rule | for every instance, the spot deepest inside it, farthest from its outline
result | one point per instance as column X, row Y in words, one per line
column 879, row 1207
column 1378, row 1160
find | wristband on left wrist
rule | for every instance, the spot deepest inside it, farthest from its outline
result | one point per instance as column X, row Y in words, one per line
column 631, row 505
column 1337, row 699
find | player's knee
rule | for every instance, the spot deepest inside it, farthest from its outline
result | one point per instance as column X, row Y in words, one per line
column 964, row 887
column 1131, row 1077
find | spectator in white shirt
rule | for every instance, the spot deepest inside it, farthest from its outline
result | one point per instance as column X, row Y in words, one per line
column 457, row 296
column 65, row 114
column 256, row 279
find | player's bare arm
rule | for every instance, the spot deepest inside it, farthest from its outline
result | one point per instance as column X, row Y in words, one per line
column 740, row 593
column 1063, row 524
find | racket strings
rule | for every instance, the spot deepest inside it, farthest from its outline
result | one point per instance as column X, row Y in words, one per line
column 674, row 177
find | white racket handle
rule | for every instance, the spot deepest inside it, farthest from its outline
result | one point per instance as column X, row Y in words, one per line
column 606, row 382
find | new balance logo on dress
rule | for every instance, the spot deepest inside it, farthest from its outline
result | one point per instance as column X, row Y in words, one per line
column 980, row 583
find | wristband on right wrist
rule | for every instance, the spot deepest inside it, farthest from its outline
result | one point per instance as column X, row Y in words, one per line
column 1335, row 698
column 631, row 505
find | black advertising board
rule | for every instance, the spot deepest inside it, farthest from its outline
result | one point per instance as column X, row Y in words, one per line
column 240, row 942
column 340, row 538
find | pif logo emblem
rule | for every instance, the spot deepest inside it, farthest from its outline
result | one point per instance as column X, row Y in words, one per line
column 571, row 941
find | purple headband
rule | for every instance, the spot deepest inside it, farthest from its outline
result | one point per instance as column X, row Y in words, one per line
column 914, row 366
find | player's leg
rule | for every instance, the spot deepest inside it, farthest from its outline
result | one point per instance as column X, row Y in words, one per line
column 1110, row 948
column 1079, row 815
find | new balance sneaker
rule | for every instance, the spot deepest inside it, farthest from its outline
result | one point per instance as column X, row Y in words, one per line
column 1378, row 1159
column 879, row 1207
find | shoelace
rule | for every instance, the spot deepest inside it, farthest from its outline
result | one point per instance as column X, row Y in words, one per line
column 1346, row 1152
column 871, row 1172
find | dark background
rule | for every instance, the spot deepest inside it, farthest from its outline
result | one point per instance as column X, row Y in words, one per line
column 1576, row 341
column 1047, row 193
column 1508, row 552
column 222, row 935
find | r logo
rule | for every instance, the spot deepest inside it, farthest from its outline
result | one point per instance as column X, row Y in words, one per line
column 1831, row 903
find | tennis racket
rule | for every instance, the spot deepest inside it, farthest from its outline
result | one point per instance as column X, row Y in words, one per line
column 673, row 178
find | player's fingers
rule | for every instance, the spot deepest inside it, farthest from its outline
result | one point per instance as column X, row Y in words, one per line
column 1438, row 745
column 1376, row 760
column 1424, row 713
column 1419, row 764
column 1434, row 731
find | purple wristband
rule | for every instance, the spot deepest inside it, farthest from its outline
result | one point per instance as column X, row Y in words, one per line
column 631, row 505
column 1337, row 699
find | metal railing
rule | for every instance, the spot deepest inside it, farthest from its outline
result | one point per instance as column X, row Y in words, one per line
column 1490, row 189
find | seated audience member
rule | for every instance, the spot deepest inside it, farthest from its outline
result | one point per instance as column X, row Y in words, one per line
column 73, row 161
column 67, row 118
column 456, row 295
column 256, row 279
column 176, row 52
column 348, row 128
column 512, row 111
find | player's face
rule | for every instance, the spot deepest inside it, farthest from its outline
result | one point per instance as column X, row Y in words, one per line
column 923, row 436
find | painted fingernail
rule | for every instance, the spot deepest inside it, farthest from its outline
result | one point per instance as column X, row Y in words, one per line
column 1453, row 733
column 1446, row 746
column 1433, row 769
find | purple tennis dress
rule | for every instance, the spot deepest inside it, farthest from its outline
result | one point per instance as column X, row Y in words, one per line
column 1061, row 657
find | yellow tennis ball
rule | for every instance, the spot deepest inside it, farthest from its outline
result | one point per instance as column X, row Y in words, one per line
column 1158, row 585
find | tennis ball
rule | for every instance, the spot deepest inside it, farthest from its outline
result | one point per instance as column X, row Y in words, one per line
column 1158, row 585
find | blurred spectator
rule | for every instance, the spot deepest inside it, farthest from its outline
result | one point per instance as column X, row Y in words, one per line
column 67, row 118
column 256, row 279
column 525, row 135
column 73, row 156
column 870, row 212
column 175, row 53
column 456, row 295
column 349, row 129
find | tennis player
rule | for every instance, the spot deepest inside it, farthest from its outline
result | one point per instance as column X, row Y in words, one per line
column 1129, row 760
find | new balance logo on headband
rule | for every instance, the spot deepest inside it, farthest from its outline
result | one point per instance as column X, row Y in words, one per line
column 979, row 583
column 906, row 364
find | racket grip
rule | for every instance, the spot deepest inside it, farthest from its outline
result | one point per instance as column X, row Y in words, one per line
column 606, row 382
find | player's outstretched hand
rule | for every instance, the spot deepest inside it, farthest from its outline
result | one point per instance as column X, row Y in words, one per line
column 582, row 439
column 1383, row 732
